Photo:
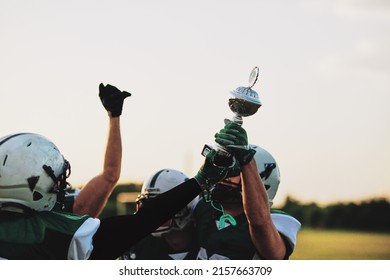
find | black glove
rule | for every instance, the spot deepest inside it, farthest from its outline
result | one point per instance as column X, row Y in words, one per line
column 112, row 99
column 235, row 139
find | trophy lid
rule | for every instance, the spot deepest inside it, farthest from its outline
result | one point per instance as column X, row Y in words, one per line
column 247, row 93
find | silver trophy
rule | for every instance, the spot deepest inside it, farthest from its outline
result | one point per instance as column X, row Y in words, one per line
column 244, row 102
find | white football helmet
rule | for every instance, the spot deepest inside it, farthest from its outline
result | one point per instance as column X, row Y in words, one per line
column 158, row 183
column 268, row 170
column 32, row 172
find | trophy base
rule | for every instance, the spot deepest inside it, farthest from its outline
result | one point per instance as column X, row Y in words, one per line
column 222, row 158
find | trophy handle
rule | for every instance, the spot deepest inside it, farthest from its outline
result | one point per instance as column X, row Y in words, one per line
column 253, row 76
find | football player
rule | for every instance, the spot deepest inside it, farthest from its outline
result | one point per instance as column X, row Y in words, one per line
column 174, row 239
column 236, row 221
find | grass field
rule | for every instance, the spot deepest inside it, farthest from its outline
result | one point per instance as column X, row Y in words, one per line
column 341, row 245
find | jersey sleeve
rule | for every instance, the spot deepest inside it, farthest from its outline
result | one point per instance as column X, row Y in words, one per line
column 81, row 246
column 288, row 226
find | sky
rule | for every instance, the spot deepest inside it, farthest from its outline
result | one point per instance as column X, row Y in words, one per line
column 324, row 85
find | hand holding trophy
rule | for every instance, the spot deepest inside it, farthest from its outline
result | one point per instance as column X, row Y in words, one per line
column 244, row 102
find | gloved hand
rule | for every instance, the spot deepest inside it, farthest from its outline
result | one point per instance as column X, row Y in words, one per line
column 210, row 174
column 112, row 99
column 235, row 139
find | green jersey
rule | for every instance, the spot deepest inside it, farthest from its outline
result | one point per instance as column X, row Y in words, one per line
column 60, row 235
column 46, row 235
column 234, row 242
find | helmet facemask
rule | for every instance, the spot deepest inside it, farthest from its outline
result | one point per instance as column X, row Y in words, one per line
column 223, row 193
column 269, row 174
column 60, row 185
column 178, row 222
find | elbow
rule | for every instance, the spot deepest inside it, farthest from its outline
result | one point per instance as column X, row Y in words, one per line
column 112, row 176
column 268, row 242
column 112, row 180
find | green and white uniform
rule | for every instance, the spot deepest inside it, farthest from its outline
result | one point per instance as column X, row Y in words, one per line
column 46, row 235
column 234, row 242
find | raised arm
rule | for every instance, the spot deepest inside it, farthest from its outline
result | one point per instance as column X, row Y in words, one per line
column 266, row 238
column 94, row 195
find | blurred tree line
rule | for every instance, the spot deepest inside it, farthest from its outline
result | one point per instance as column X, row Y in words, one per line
column 370, row 215
column 111, row 208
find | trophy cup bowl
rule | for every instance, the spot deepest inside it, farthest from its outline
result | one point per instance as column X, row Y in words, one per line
column 244, row 103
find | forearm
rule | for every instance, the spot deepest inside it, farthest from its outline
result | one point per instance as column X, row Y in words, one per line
column 255, row 197
column 94, row 195
column 265, row 237
column 113, row 154
column 117, row 234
